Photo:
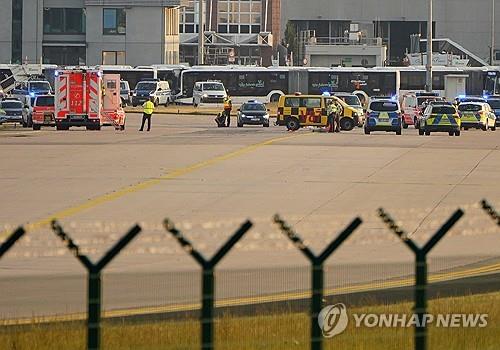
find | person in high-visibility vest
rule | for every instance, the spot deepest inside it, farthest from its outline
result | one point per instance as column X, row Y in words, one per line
column 228, row 106
column 148, row 109
column 331, row 112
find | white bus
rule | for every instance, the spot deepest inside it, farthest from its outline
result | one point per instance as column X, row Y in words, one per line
column 242, row 82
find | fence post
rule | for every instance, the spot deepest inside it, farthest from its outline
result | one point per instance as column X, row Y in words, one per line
column 421, row 272
column 488, row 208
column 208, row 267
column 94, row 287
column 11, row 240
column 317, row 271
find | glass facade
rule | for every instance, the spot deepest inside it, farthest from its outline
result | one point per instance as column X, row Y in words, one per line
column 189, row 17
column 239, row 16
column 63, row 21
column 114, row 21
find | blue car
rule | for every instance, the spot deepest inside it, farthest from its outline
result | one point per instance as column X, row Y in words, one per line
column 383, row 115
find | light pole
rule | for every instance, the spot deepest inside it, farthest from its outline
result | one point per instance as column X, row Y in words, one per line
column 428, row 77
column 201, row 34
column 492, row 45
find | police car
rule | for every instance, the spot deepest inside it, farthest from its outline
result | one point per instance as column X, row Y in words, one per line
column 440, row 118
column 478, row 115
column 383, row 115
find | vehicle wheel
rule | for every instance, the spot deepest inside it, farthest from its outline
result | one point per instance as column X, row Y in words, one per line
column 266, row 125
column 451, row 133
column 457, row 132
column 494, row 127
column 36, row 127
column 274, row 98
column 398, row 132
column 465, row 128
column 240, row 125
column 59, row 127
column 292, row 124
column 134, row 104
column 427, row 133
column 367, row 131
column 346, row 124
column 122, row 127
column 405, row 126
column 420, row 132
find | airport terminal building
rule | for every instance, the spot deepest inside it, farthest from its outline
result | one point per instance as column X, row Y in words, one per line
column 329, row 32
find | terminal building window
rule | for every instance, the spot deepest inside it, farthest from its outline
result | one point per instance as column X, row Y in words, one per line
column 113, row 57
column 239, row 16
column 64, row 55
column 63, row 21
column 17, row 31
column 189, row 17
column 114, row 21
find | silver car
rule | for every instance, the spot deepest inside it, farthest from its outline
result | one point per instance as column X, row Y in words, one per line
column 14, row 111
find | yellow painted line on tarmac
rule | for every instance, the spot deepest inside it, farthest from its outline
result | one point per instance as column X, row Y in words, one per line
column 91, row 203
column 244, row 301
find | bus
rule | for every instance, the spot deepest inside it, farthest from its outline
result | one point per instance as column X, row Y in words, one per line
column 241, row 82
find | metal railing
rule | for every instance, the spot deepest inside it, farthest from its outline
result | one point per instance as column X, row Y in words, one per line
column 343, row 41
column 94, row 270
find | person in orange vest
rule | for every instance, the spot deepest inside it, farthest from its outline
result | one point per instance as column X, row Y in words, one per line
column 228, row 106
column 148, row 109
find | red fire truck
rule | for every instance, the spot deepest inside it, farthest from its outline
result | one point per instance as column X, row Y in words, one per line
column 88, row 98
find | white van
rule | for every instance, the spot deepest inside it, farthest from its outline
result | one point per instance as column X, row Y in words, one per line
column 159, row 90
column 208, row 92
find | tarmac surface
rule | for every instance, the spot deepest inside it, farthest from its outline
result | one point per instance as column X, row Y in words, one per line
column 209, row 180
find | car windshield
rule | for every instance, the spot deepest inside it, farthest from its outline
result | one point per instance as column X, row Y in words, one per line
column 40, row 85
column 495, row 104
column 45, row 101
column 253, row 107
column 443, row 110
column 467, row 107
column 351, row 100
column 12, row 105
column 123, row 86
column 421, row 100
column 384, row 106
column 146, row 86
column 213, row 87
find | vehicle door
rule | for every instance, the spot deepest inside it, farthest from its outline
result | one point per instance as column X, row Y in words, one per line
column 311, row 111
column 111, row 98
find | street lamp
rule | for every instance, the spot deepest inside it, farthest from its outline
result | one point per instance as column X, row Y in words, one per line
column 492, row 45
column 428, row 77
column 201, row 34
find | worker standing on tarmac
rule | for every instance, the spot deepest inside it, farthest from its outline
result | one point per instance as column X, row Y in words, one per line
column 149, row 108
column 228, row 106
column 331, row 111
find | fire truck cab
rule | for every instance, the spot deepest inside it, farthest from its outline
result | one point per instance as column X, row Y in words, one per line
column 88, row 98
